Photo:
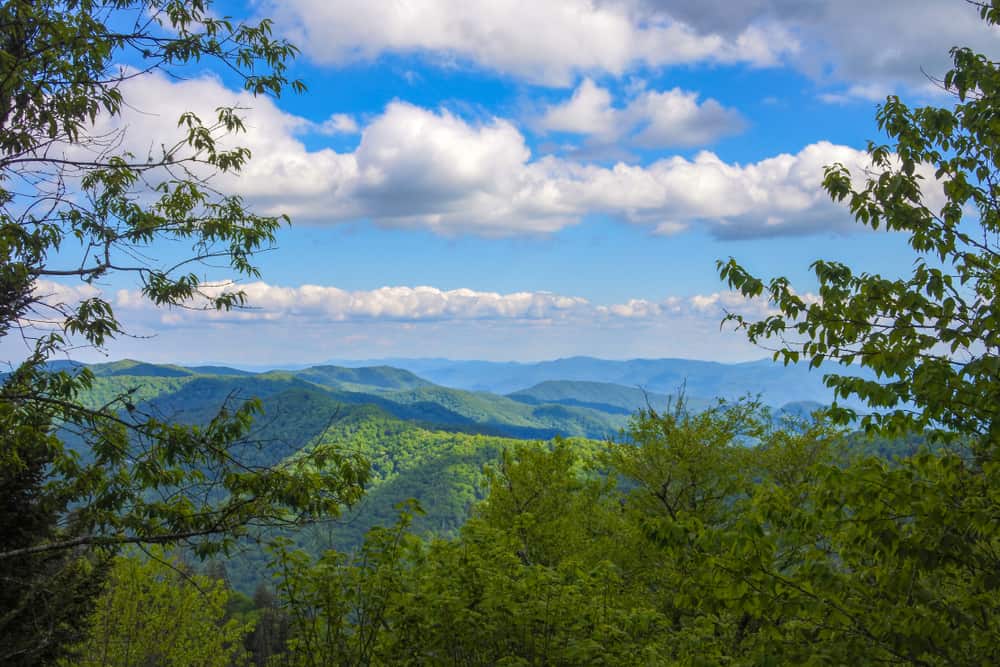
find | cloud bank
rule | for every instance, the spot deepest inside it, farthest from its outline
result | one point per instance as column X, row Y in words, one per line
column 319, row 304
column 862, row 48
column 316, row 322
column 431, row 169
column 542, row 42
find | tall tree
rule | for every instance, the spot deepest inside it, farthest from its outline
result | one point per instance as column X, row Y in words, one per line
column 154, row 612
column 76, row 206
column 899, row 562
column 932, row 337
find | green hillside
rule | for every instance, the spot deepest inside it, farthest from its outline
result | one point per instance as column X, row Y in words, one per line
column 442, row 470
column 569, row 408
column 139, row 389
column 139, row 368
column 194, row 396
column 602, row 396
column 359, row 379
column 506, row 416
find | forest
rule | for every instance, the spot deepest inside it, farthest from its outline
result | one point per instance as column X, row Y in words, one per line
column 580, row 512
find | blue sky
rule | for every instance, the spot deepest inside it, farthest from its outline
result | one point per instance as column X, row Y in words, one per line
column 509, row 179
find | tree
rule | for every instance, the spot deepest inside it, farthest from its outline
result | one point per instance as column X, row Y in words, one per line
column 933, row 337
column 897, row 562
column 74, row 205
column 153, row 612
column 266, row 643
column 43, row 597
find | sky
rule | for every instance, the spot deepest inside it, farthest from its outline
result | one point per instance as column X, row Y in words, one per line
column 527, row 180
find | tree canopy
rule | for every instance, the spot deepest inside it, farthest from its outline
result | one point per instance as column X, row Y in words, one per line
column 931, row 336
column 76, row 205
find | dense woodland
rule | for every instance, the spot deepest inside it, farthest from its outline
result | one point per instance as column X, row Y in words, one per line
column 644, row 547
column 161, row 515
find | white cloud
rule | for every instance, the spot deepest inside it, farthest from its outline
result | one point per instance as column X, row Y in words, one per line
column 869, row 47
column 319, row 303
column 419, row 168
column 675, row 118
column 338, row 123
column 775, row 196
column 317, row 322
column 588, row 111
column 851, row 43
column 650, row 119
column 397, row 303
column 545, row 42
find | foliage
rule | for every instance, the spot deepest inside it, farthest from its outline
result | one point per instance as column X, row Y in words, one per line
column 66, row 189
column 716, row 538
column 895, row 561
column 154, row 612
column 443, row 470
column 44, row 597
column 932, row 336
column 267, row 641
column 77, row 206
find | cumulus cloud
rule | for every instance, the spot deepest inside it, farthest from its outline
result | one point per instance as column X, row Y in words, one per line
column 431, row 169
column 402, row 303
column 588, row 111
column 320, row 303
column 650, row 119
column 544, row 42
column 316, row 322
column 851, row 42
column 863, row 48
column 338, row 123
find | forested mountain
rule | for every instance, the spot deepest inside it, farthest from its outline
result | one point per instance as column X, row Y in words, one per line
column 604, row 396
column 421, row 440
column 624, row 382
column 775, row 383
column 447, row 450
column 564, row 406
column 191, row 395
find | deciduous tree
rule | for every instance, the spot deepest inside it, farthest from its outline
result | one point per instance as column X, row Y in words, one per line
column 75, row 205
column 932, row 336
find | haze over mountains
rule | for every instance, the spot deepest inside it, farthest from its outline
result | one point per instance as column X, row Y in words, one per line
column 774, row 383
column 592, row 395
column 574, row 397
column 428, row 427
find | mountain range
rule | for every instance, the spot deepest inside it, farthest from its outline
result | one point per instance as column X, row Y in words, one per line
column 773, row 382
column 578, row 396
column 428, row 427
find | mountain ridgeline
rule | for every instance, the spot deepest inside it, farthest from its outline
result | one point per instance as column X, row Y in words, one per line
column 775, row 383
column 579, row 397
column 421, row 439
column 445, row 448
